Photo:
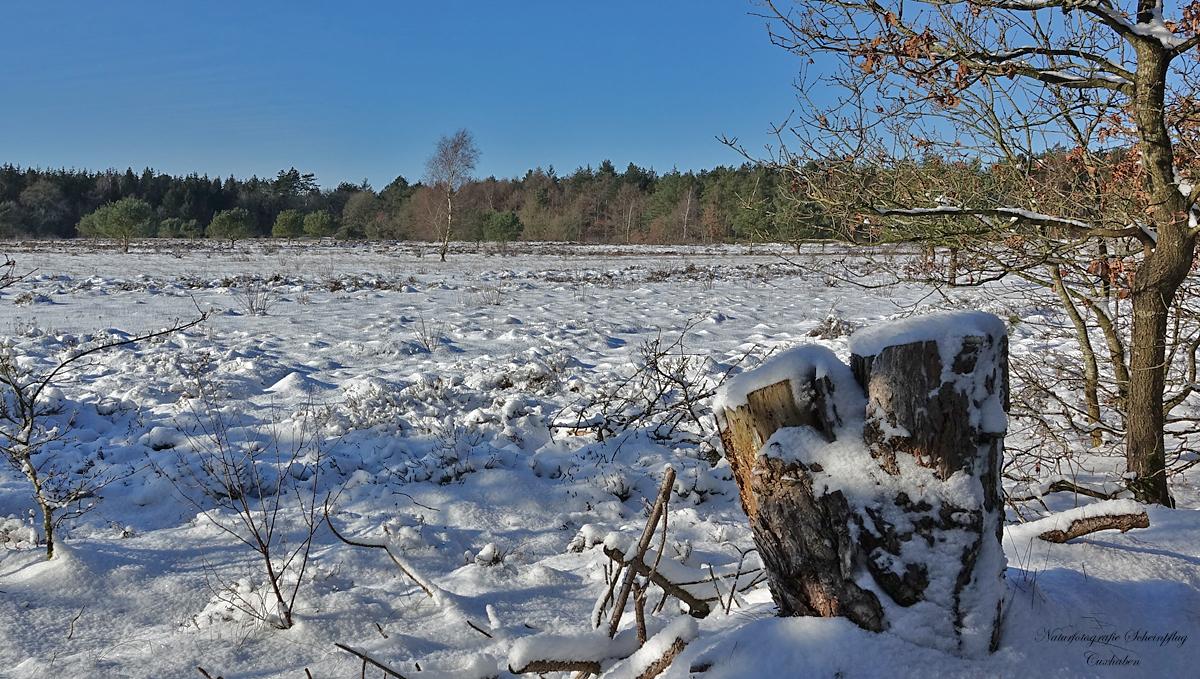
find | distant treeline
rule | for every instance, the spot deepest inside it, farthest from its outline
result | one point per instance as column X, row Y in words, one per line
column 597, row 205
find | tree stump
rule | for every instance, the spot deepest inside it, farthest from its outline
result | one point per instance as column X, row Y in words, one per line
column 891, row 466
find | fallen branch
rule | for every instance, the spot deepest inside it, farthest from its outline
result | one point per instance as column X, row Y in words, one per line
column 698, row 608
column 538, row 666
column 659, row 666
column 367, row 659
column 477, row 628
column 384, row 547
column 440, row 597
column 1092, row 524
column 71, row 632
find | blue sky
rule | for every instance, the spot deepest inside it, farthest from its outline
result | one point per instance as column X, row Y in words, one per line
column 354, row 90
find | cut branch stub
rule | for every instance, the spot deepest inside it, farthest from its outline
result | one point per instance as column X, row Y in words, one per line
column 769, row 409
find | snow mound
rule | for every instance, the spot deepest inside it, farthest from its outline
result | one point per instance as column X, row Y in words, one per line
column 161, row 438
column 293, row 384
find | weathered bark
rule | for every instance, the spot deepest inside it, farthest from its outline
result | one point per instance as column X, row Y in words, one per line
column 662, row 663
column 769, row 409
column 539, row 666
column 915, row 409
column 805, row 543
column 906, row 393
column 803, row 537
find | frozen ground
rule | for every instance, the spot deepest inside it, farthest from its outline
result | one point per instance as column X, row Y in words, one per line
column 438, row 387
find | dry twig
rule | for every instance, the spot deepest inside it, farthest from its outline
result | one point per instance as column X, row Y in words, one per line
column 660, row 506
column 367, row 659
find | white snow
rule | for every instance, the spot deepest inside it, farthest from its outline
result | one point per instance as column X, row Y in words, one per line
column 456, row 449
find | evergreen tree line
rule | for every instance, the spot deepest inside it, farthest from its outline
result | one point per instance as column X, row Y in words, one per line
column 593, row 205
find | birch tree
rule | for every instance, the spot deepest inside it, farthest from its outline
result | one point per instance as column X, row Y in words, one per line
column 447, row 170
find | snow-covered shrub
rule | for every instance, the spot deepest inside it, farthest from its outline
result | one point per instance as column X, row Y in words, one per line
column 452, row 455
column 832, row 327
column 35, row 424
column 16, row 534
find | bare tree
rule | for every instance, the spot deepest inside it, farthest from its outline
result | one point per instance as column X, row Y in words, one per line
column 61, row 487
column 1001, row 82
column 448, row 169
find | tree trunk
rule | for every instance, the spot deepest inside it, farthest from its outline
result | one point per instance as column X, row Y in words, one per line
column 1145, row 448
column 1164, row 267
column 445, row 245
column 47, row 526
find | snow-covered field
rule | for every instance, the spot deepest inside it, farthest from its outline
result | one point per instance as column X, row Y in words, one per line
column 444, row 397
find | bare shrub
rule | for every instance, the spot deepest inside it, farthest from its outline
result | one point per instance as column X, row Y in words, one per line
column 429, row 335
column 256, row 298
column 666, row 394
column 487, row 295
column 260, row 485
column 326, row 269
